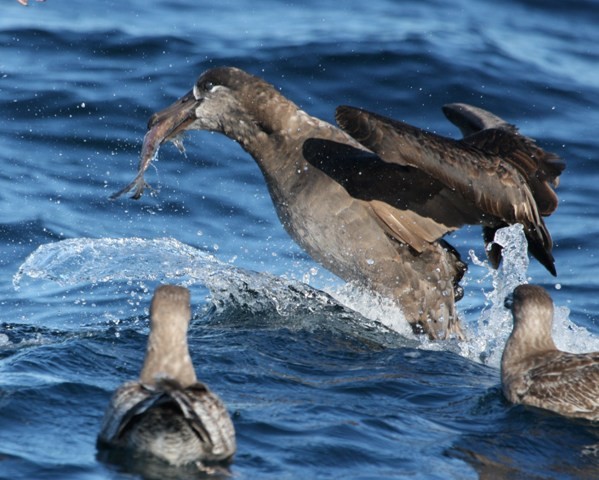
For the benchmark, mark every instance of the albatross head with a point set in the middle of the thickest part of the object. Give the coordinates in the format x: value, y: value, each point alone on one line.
x: 223, y: 99
x: 532, y: 309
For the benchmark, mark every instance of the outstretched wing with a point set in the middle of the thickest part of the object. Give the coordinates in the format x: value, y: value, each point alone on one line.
x: 493, y: 135
x: 497, y: 189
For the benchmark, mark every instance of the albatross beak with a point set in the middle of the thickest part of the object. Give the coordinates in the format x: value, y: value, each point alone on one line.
x: 175, y: 118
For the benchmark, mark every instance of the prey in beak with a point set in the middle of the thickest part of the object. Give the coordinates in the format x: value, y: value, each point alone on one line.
x: 166, y: 125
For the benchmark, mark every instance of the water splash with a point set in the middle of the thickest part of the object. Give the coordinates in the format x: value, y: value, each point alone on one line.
x: 488, y: 334
x: 85, y: 261
x: 80, y: 261
x: 571, y: 337
x: 374, y: 306
x: 293, y: 304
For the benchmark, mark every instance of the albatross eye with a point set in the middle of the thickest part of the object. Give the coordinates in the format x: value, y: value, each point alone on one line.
x: 201, y: 88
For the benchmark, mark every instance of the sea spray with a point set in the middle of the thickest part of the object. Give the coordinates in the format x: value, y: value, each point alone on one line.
x: 487, y: 335
x: 269, y: 301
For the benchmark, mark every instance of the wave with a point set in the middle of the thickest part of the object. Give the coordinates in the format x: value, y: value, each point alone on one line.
x: 280, y: 302
x: 80, y: 261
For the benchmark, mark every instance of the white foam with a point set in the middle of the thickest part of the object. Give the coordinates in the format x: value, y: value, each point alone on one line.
x: 87, y: 261
x: 488, y: 332
x: 373, y: 306
x: 571, y: 337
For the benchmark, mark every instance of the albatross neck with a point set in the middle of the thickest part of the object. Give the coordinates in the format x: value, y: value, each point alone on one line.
x: 167, y: 353
x: 531, y: 334
x: 273, y: 129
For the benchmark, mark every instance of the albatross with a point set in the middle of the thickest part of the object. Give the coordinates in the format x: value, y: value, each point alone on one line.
x: 372, y: 200
x: 534, y: 372
x: 168, y: 413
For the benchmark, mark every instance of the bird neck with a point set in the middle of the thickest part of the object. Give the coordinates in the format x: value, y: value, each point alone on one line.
x: 527, y: 340
x: 167, y: 355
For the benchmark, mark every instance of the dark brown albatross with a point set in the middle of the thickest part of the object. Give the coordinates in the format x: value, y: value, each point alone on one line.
x: 534, y: 372
x: 366, y: 217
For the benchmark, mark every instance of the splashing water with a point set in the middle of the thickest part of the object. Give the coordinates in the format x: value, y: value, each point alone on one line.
x: 85, y: 261
x: 488, y: 335
x: 91, y: 261
x: 374, y: 306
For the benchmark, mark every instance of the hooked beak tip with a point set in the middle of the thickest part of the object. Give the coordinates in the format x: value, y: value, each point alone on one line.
x: 175, y: 118
x: 152, y: 121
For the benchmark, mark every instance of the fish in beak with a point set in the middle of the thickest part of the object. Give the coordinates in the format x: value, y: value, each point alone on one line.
x: 163, y: 126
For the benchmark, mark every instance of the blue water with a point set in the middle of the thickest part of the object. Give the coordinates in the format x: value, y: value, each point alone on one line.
x: 319, y: 385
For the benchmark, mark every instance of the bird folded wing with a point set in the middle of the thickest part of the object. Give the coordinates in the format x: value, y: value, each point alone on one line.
x: 407, y: 226
x: 575, y: 377
x: 131, y: 399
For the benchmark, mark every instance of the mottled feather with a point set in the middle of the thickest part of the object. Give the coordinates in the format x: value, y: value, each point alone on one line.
x: 534, y: 372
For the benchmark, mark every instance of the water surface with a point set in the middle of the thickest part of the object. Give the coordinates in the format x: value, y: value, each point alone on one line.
x: 320, y: 385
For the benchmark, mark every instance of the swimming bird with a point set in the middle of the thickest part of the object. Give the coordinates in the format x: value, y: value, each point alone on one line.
x: 534, y: 372
x: 371, y: 212
x: 168, y: 413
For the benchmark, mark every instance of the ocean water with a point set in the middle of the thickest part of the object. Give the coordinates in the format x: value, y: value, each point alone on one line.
x: 322, y: 380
